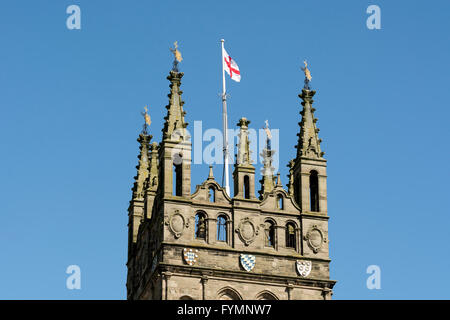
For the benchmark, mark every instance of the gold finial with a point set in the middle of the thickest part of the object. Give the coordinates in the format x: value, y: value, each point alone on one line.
x: 176, y: 52
x: 147, y: 116
x: 306, y: 71
x: 146, y: 119
x: 307, y: 75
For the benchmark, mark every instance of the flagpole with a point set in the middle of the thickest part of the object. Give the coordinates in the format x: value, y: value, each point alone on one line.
x: 225, y: 128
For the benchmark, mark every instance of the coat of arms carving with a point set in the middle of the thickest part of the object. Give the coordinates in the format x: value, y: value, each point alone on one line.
x: 190, y: 256
x: 304, y: 267
x: 248, y: 261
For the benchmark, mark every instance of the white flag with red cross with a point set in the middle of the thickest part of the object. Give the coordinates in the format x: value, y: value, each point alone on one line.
x: 230, y: 66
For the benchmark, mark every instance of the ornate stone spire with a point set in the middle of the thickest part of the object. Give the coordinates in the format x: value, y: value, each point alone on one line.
x: 142, y: 167
x: 290, y: 185
x: 267, y: 171
x: 174, y: 126
x: 308, y: 143
x: 243, y: 157
x: 152, y: 180
x: 174, y: 151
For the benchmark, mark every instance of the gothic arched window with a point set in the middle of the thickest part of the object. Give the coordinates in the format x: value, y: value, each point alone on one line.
x: 270, y: 234
x: 228, y: 294
x: 290, y: 235
x: 246, y: 187
x: 266, y: 295
x: 314, y: 191
x: 200, y: 226
x: 222, y: 228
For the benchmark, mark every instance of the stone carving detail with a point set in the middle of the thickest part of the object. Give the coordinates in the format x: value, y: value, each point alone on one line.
x: 247, y: 231
x: 311, y: 151
x: 177, y: 223
x: 304, y: 267
x: 190, y: 256
x: 248, y: 261
x: 315, y: 238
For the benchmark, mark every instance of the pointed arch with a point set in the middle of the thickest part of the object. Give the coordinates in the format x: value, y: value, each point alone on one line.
x: 228, y: 293
x: 266, y: 295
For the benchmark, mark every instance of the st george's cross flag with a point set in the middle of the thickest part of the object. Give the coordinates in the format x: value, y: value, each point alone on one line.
x: 230, y: 66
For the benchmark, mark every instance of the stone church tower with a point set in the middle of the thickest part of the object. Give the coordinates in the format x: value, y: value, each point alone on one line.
x: 208, y: 245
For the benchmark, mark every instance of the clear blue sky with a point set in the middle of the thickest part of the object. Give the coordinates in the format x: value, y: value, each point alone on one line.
x: 70, y: 103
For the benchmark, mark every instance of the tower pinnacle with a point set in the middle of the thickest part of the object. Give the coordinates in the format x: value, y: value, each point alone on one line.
x: 308, y: 143
x: 152, y: 180
x: 142, y: 167
x: 174, y: 126
x: 243, y: 152
x: 267, y: 180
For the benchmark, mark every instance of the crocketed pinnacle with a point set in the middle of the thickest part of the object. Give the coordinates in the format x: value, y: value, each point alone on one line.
x: 308, y: 143
x: 267, y: 171
x: 142, y: 167
x: 174, y: 126
x: 152, y: 180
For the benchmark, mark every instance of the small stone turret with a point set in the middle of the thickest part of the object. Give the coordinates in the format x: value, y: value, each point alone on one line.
x: 244, y: 171
x: 175, y: 149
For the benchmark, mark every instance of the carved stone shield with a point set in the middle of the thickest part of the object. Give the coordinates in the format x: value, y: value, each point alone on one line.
x: 304, y: 267
x: 190, y: 256
x: 247, y: 261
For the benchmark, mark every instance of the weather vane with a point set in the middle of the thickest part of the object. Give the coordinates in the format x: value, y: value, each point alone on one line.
x: 176, y: 56
x: 307, y: 75
x: 147, y: 120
